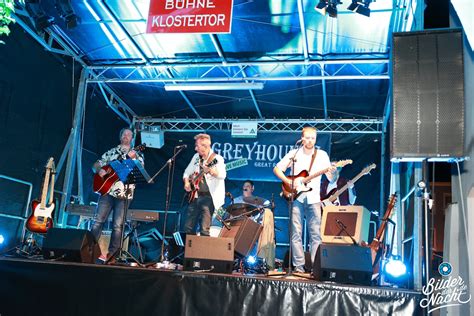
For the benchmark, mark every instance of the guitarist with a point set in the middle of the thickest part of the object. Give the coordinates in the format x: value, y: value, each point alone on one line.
x: 115, y: 199
x: 333, y: 182
x: 204, y: 180
x: 308, y: 203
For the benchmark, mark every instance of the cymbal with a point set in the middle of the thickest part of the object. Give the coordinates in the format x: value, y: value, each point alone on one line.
x: 241, y: 208
x: 255, y: 200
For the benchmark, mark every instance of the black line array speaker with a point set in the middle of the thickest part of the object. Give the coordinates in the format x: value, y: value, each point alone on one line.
x: 343, y: 264
x: 427, y: 95
x: 213, y: 254
x: 68, y: 244
x: 245, y: 233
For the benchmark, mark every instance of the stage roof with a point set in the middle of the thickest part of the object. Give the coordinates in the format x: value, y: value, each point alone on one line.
x: 311, y: 66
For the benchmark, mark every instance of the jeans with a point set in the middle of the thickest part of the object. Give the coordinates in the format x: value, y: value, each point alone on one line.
x: 105, y: 205
x: 201, y: 207
x: 312, y: 212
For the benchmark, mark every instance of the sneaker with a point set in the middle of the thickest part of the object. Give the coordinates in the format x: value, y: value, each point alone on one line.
x: 299, y: 269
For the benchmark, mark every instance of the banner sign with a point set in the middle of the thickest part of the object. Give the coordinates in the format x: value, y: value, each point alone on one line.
x: 190, y: 16
x: 255, y: 158
x: 244, y: 129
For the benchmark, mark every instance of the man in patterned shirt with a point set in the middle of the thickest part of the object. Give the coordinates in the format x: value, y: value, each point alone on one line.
x: 115, y: 198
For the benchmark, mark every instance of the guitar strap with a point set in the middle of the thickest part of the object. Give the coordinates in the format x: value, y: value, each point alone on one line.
x: 312, y: 159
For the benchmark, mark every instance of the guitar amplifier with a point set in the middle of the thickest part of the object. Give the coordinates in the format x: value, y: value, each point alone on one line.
x: 356, y: 220
x: 245, y: 233
x: 208, y: 254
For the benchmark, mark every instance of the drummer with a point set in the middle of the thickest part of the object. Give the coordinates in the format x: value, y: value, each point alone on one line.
x: 266, y: 241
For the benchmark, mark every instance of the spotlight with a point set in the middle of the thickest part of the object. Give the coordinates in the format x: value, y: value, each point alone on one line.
x: 251, y: 260
x: 2, y: 239
x: 66, y: 12
x: 360, y: 6
x: 328, y: 6
x: 395, y: 267
x: 37, y: 15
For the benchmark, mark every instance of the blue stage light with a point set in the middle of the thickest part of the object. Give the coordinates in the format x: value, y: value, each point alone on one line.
x: 2, y: 239
x: 251, y: 260
x: 395, y: 267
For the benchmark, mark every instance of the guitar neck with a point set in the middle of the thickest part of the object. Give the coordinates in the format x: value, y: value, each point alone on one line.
x: 377, y: 239
x: 333, y: 197
x: 315, y: 175
x: 44, y: 192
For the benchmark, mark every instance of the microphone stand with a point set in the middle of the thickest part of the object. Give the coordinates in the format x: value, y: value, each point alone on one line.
x: 168, y: 163
x: 290, y: 210
x: 343, y: 228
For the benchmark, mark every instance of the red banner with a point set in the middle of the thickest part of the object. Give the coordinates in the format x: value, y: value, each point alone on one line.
x: 190, y: 16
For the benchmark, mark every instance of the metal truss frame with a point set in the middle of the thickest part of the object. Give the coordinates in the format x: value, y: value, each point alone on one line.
x: 292, y: 125
x: 289, y: 70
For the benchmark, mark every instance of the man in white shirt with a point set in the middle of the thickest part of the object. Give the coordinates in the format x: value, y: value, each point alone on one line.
x: 307, y: 204
x: 204, y: 180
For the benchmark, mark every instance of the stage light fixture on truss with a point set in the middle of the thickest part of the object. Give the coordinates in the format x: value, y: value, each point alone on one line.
x: 361, y: 7
x: 2, y: 239
x: 37, y: 15
x: 66, y: 12
x: 328, y: 6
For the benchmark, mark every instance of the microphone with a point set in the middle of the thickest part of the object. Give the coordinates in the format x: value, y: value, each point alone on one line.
x: 230, y: 196
x: 181, y: 146
x: 299, y: 141
x: 340, y: 223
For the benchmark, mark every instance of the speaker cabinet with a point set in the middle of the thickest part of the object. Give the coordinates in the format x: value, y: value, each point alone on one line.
x: 245, y: 233
x: 428, y: 95
x: 76, y: 245
x: 212, y: 254
x: 356, y: 220
x: 343, y: 264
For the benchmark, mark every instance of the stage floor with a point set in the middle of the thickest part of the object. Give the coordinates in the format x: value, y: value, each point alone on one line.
x: 39, y: 287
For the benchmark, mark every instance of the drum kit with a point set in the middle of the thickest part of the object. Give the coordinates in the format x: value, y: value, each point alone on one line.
x: 251, y: 207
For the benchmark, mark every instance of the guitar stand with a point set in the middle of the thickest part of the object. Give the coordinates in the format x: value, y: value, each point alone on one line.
x: 28, y: 248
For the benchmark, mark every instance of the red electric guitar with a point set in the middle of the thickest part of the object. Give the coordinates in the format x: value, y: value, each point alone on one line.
x: 103, y: 184
x: 196, y: 178
x: 41, y: 218
x: 303, y: 178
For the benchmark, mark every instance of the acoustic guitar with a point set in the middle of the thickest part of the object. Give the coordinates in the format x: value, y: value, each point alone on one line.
x: 196, y: 178
x: 102, y: 185
x: 41, y: 218
x: 377, y: 243
x: 303, y: 178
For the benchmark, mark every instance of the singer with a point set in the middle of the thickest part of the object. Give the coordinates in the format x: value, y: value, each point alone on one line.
x: 308, y: 204
x: 204, y: 179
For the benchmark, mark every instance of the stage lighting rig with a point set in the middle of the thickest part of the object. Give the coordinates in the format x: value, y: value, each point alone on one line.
x: 361, y: 7
x: 328, y: 6
x: 66, y: 12
x: 37, y: 15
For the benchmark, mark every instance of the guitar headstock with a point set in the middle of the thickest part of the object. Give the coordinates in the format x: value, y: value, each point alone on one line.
x: 391, y: 201
x: 50, y: 164
x: 369, y: 168
x: 342, y: 163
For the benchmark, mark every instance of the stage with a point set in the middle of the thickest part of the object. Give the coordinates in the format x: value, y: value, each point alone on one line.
x: 39, y: 287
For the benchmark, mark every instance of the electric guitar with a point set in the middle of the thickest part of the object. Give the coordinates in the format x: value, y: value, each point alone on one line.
x: 102, y: 185
x: 334, y: 193
x: 377, y: 243
x: 196, y: 178
x: 303, y: 178
x: 41, y: 218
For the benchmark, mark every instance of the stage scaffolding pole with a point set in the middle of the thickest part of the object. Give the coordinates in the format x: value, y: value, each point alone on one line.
x: 74, y: 149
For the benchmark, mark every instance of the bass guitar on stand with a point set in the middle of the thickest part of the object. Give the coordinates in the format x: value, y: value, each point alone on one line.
x: 41, y: 218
